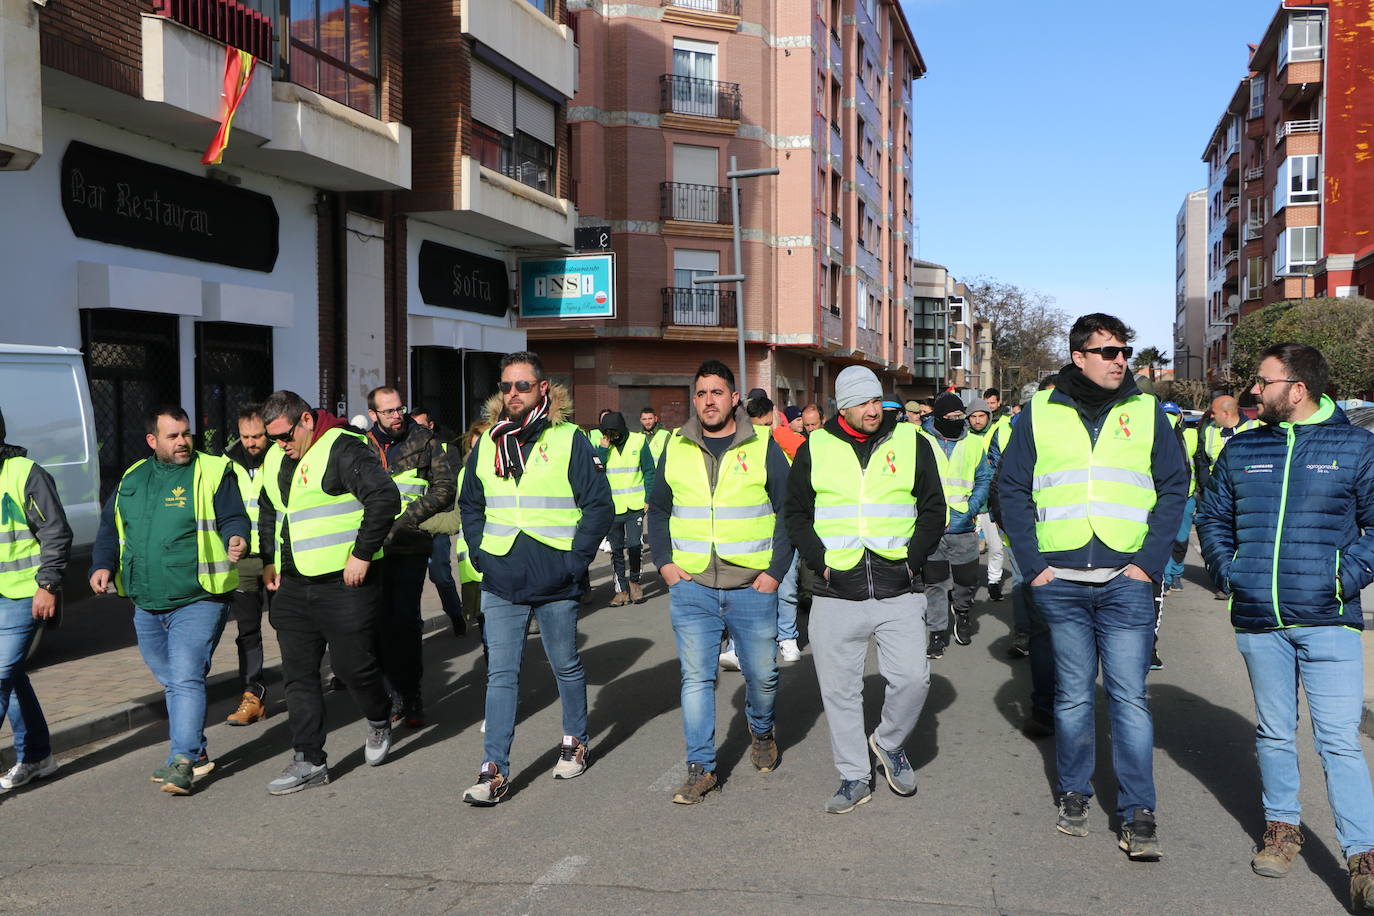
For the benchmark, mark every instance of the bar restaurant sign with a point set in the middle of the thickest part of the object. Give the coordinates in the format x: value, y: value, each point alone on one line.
x: 457, y: 279
x: 110, y: 197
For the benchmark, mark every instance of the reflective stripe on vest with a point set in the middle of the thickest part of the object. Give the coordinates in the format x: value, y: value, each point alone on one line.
x: 322, y: 528
x: 541, y: 505
x: 466, y: 571
x: 411, y: 486
x: 734, y: 519
x: 250, y: 485
x: 625, y: 475
x: 214, y: 572
x: 1215, y: 442
x: 958, y: 469
x: 658, y: 442
x: 20, y: 552
x: 1081, y: 489
x: 870, y: 507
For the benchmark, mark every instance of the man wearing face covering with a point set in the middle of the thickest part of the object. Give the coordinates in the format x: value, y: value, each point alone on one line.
x: 630, y: 468
x: 952, y: 569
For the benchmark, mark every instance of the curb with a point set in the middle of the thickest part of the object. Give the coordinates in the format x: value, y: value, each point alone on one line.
x: 119, y: 718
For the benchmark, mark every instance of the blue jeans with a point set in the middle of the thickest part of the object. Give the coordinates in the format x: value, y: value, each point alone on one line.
x: 1112, y: 623
x: 17, y: 699
x: 176, y: 646
x: 504, y: 631
x: 787, y: 601
x: 1174, y: 570
x: 1329, y: 663
x: 441, y: 574
x: 700, y: 616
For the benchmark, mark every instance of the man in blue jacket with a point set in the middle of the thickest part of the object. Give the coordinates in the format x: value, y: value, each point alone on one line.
x: 1287, y: 527
x: 1092, y: 490
x: 534, y: 508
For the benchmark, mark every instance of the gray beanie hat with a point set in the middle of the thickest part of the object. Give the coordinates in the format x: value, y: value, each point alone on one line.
x: 978, y: 405
x: 856, y: 385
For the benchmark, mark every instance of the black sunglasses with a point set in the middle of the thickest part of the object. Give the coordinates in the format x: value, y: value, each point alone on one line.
x: 282, y: 437
x: 1110, y: 353
x: 523, y: 386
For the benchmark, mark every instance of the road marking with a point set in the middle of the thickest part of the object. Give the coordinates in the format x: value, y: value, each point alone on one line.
x: 669, y: 779
x: 562, y: 872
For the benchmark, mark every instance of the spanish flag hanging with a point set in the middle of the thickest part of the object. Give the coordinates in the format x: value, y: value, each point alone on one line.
x: 238, y: 73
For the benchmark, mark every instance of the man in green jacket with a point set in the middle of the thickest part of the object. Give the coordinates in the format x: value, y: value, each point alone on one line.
x: 169, y: 539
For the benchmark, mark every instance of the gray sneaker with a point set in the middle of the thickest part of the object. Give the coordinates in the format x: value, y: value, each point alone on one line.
x: 24, y: 771
x: 851, y: 794
x: 895, y: 767
x: 299, y: 774
x: 378, y: 743
x: 1073, y: 814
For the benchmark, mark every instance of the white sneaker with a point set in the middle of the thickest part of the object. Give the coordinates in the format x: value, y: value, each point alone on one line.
x: 729, y: 661
x: 23, y: 772
x: 572, y: 759
x: 484, y: 726
x: 787, y: 648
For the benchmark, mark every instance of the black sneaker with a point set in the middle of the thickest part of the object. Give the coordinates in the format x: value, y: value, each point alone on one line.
x: 995, y: 591
x: 936, y: 647
x: 1138, y: 837
x: 1073, y: 814
x: 1155, y: 661
x: 963, y: 628
x: 1020, y: 645
x: 1037, y: 726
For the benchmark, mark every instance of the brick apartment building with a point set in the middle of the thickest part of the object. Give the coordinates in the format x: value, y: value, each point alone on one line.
x: 386, y: 168
x: 1288, y: 171
x: 668, y: 94
x: 1190, y: 285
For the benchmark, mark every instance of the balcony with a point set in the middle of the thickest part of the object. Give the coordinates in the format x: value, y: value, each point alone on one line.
x: 699, y: 210
x: 1287, y: 128
x: 21, y: 91
x: 1254, y: 229
x: 226, y: 21
x: 521, y: 33
x: 699, y: 313
x: 836, y: 55
x: 709, y: 14
x: 696, y: 104
x: 1255, y: 173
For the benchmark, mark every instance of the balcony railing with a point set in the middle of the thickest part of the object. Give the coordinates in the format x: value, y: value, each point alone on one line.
x: 695, y: 307
x: 1255, y: 173
x: 1231, y: 258
x: 1232, y: 204
x: 696, y: 203
x: 1254, y: 229
x: 227, y: 21
x: 728, y: 7
x: 687, y: 95
x: 1295, y: 127
x: 528, y: 162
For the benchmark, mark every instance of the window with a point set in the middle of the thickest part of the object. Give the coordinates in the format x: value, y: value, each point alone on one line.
x: 1302, y: 40
x: 1254, y: 278
x: 1256, y: 210
x: 694, y: 304
x: 334, y: 50
x: 1299, y: 248
x: 956, y: 356
x: 1232, y: 135
x: 694, y: 75
x: 1257, y: 96
x: 835, y: 288
x: 515, y: 134
x: 956, y: 309
x: 862, y: 223
x: 861, y: 299
x: 836, y: 199
x: 1297, y: 182
x: 695, y: 194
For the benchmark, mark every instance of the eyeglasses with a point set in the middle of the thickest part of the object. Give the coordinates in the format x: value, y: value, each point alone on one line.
x: 390, y: 411
x: 1110, y: 353
x: 1260, y: 381
x: 283, y: 437
x: 524, y: 386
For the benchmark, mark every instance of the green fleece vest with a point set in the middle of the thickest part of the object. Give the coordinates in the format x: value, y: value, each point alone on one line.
x: 158, y: 564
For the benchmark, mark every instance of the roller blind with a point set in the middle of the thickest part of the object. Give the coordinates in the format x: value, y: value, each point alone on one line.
x: 491, y: 98
x: 534, y: 116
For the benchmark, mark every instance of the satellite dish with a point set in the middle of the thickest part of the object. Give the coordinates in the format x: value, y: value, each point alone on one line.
x: 1232, y: 301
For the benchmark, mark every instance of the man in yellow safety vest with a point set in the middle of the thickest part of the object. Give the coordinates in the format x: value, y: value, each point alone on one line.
x: 1092, y: 488
x: 630, y: 468
x: 251, y: 599
x: 325, y: 509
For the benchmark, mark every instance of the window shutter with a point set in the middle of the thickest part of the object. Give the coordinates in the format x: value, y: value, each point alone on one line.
x: 491, y: 98
x: 535, y: 116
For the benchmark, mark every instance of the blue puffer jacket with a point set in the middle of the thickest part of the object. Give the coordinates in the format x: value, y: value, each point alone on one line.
x: 1280, y: 522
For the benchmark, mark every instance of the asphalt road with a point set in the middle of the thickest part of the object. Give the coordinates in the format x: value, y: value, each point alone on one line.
x: 978, y: 837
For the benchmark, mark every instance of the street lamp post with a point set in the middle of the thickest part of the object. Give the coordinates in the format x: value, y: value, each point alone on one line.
x: 738, y: 277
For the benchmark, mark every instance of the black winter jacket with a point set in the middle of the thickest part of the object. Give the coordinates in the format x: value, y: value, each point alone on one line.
x: 420, y: 449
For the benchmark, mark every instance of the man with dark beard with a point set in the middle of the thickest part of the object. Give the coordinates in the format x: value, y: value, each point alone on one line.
x: 534, y: 509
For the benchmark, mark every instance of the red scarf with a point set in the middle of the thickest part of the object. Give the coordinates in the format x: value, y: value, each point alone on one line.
x: 852, y: 432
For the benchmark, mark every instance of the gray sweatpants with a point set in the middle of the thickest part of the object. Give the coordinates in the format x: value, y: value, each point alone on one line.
x: 839, y: 632
x: 953, y: 567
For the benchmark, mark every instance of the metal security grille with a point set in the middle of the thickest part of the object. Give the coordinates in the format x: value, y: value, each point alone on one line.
x: 132, y: 366
x: 233, y: 368
x: 437, y: 385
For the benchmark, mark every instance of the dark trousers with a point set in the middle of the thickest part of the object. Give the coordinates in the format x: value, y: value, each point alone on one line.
x: 249, y: 603
x: 308, y: 616
x: 1041, y: 658
x: 625, y: 536
x: 399, y: 627
x: 441, y: 574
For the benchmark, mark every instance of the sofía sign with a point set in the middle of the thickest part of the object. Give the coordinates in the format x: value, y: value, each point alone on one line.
x: 459, y: 279
x: 110, y: 197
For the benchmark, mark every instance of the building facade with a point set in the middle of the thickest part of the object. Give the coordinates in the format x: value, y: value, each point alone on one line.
x: 1190, y: 286
x: 669, y: 95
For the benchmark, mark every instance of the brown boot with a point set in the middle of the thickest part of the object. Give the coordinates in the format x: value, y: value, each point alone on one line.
x: 250, y: 710
x: 698, y: 783
x: 1281, y: 844
x: 620, y: 600
x: 1362, y: 882
x: 763, y: 752
x: 636, y: 592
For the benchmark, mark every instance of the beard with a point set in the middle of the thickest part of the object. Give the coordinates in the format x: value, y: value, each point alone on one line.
x: 717, y: 427
x: 1280, y: 413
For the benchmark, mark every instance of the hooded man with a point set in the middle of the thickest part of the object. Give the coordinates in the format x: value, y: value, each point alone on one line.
x: 984, y: 428
x: 630, y: 467
x: 952, y: 569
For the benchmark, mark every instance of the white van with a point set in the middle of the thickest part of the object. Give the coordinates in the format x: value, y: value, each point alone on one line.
x: 47, y: 408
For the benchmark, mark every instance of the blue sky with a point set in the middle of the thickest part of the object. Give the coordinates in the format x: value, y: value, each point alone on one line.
x: 1055, y: 141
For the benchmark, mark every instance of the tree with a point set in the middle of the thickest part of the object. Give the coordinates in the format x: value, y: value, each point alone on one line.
x: 1149, y: 357
x: 1029, y: 335
x: 1342, y: 328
